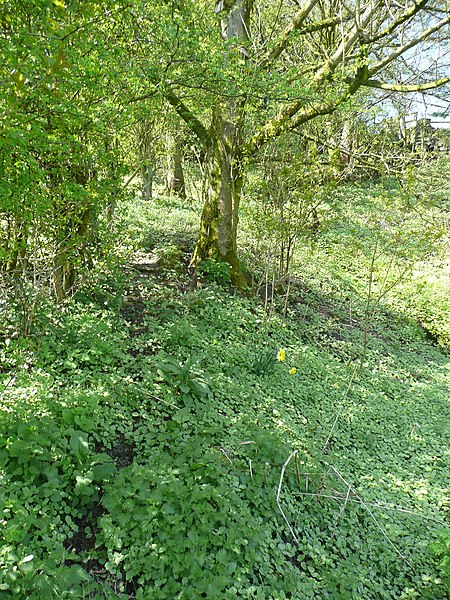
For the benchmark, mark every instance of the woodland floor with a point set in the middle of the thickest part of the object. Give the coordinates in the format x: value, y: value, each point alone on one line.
x: 154, y: 447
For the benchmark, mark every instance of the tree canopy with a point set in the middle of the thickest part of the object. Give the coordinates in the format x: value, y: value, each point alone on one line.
x: 247, y: 72
x: 238, y: 73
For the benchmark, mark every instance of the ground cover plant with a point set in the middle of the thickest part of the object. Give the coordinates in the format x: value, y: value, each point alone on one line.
x: 160, y: 440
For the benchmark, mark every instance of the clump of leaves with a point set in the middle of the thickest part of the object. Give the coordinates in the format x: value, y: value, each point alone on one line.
x: 216, y: 271
x: 441, y: 551
x: 264, y: 363
x: 170, y: 256
x: 190, y: 529
x: 187, y: 378
x: 92, y: 468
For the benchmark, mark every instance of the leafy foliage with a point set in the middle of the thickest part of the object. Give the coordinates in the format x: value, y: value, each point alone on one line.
x: 187, y: 378
x: 58, y: 164
x: 215, y: 271
x: 129, y: 467
x: 441, y: 551
x: 264, y: 362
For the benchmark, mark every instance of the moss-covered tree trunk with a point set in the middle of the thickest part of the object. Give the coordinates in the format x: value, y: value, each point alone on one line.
x: 217, y: 237
x: 224, y: 166
x: 147, y: 174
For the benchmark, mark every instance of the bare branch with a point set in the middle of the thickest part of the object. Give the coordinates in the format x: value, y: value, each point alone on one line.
x: 397, y: 22
x: 296, y: 23
x: 405, y: 88
x: 277, y: 499
x: 346, y: 45
x: 405, y: 47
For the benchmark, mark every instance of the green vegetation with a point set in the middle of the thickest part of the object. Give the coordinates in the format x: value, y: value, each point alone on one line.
x: 159, y: 441
x: 224, y: 307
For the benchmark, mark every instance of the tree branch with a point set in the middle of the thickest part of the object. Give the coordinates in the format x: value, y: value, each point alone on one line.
x: 188, y: 117
x: 295, y: 113
x: 406, y: 88
x: 289, y: 117
x: 143, y: 97
x: 417, y: 40
x: 346, y: 45
x: 181, y: 109
x: 296, y: 23
x: 397, y: 22
x: 106, y: 13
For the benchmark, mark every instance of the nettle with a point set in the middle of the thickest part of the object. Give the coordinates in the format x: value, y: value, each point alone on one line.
x: 190, y: 529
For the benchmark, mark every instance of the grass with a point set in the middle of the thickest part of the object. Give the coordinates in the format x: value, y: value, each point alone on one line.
x: 143, y: 455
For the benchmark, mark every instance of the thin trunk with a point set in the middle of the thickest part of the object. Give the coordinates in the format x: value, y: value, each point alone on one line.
x: 218, y: 227
x: 18, y: 246
x: 147, y: 173
x: 346, y: 145
x: 63, y: 278
x: 73, y: 249
x: 175, y: 183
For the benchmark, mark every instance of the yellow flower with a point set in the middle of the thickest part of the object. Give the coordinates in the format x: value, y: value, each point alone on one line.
x: 293, y: 371
x: 281, y: 354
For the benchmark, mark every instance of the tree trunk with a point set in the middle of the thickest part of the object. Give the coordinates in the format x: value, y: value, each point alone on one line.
x: 147, y: 173
x: 222, y: 193
x: 175, y: 183
x: 224, y: 165
x: 73, y: 239
x: 63, y: 278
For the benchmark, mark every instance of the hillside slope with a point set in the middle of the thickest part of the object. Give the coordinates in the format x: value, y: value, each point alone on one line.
x: 165, y: 442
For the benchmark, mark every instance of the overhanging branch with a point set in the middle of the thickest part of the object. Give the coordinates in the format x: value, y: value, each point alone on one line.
x: 411, y: 44
x: 291, y: 116
x: 296, y: 23
x: 406, y: 88
x: 188, y: 117
x: 397, y: 22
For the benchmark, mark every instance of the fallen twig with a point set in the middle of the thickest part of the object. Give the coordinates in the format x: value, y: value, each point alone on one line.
x: 391, y: 543
x: 283, y: 469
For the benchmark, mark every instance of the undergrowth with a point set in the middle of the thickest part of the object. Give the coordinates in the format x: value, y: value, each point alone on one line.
x: 163, y: 442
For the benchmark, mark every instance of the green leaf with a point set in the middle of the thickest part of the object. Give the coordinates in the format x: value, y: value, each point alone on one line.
x: 74, y: 575
x: 182, y: 415
x: 83, y: 482
x: 102, y: 472
x: 201, y: 387
x: 85, y: 422
x: 79, y: 445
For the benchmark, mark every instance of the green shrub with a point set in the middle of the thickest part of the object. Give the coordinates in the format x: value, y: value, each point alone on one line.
x: 215, y: 271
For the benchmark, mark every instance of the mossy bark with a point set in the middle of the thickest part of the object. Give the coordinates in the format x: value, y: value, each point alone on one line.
x: 217, y: 237
x: 224, y: 165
